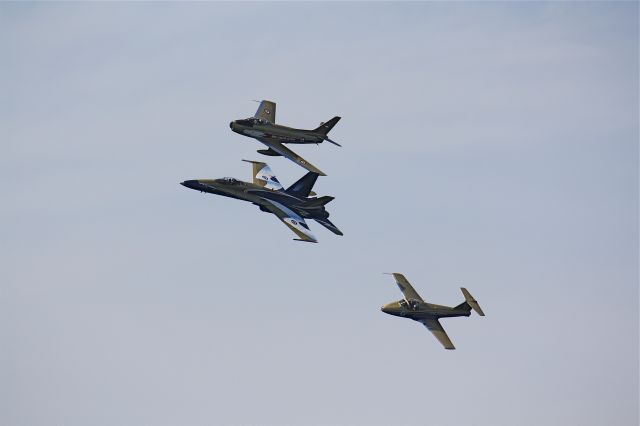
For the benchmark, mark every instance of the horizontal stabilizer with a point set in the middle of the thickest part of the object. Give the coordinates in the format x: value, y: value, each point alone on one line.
x: 317, y: 202
x: 330, y: 226
x: 329, y: 140
x: 472, y: 302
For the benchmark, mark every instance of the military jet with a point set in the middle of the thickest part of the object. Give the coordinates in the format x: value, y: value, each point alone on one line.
x: 262, y: 126
x: 413, y: 307
x: 292, y: 205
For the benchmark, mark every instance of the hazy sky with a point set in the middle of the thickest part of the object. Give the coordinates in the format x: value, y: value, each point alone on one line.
x: 492, y: 145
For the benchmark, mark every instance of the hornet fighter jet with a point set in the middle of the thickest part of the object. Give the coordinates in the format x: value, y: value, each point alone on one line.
x: 292, y: 205
x: 262, y: 126
x: 413, y: 307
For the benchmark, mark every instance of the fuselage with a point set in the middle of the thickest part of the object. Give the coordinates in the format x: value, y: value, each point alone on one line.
x: 260, y: 129
x: 246, y: 191
x: 418, y: 310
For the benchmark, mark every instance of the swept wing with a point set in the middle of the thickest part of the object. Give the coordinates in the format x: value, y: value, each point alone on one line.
x: 287, y: 153
x: 291, y: 219
x: 266, y: 111
x: 434, y: 326
x: 406, y: 288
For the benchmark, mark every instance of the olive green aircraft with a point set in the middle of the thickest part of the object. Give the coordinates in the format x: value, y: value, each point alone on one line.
x: 415, y: 308
x: 262, y: 126
x: 292, y: 205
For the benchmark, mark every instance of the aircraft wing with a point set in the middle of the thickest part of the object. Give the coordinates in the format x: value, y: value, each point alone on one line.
x: 287, y: 153
x: 406, y: 288
x: 291, y: 219
x: 434, y: 326
x: 266, y: 111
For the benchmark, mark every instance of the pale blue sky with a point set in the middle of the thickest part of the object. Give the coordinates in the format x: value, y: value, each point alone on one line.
x: 489, y: 145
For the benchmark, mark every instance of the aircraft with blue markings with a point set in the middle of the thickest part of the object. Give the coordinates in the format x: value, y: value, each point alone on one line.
x: 292, y: 205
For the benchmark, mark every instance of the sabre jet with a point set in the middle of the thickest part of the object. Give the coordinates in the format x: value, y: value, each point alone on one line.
x: 262, y: 126
x: 415, y: 308
x: 292, y: 205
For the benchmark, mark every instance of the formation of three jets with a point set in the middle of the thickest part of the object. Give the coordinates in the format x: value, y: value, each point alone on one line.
x: 298, y: 202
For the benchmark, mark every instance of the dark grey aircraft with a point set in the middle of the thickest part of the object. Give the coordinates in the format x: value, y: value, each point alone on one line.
x: 262, y: 126
x: 413, y: 307
x: 292, y: 205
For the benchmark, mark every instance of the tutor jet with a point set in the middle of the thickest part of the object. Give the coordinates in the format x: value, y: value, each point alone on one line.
x: 292, y: 205
x: 262, y: 126
x: 413, y: 307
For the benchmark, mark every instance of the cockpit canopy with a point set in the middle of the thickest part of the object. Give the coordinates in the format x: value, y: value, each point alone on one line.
x: 229, y: 180
x: 251, y: 121
x: 410, y: 304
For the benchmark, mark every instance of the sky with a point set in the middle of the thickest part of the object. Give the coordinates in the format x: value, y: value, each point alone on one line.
x: 487, y: 145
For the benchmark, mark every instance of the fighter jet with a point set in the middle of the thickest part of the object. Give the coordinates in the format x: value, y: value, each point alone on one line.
x: 292, y: 205
x: 413, y: 307
x: 262, y: 126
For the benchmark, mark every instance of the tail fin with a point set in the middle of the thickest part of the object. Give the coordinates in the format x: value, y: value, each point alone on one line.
x: 303, y: 186
x: 471, y: 301
x: 263, y: 176
x: 324, y: 128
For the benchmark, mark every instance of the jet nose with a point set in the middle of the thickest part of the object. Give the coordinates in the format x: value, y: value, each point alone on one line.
x: 231, y: 125
x: 383, y: 309
x: 189, y: 183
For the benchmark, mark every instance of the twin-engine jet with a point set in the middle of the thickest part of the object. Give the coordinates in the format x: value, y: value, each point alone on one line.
x: 262, y: 126
x: 292, y: 205
x: 413, y: 307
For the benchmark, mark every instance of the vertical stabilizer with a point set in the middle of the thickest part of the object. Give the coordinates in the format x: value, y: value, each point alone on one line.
x: 302, y: 187
x: 324, y: 128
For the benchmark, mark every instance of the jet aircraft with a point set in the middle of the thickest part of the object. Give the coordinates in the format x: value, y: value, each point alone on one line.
x: 262, y: 126
x: 292, y: 205
x: 415, y: 308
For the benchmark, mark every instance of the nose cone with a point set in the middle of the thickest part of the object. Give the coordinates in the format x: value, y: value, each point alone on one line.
x: 193, y: 184
x: 387, y: 309
x: 231, y: 125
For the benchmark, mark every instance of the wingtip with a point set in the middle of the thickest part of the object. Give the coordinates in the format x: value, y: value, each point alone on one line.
x: 306, y: 241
